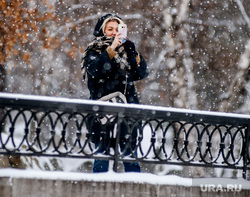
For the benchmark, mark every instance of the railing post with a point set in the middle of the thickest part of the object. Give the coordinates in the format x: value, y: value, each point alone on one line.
x: 245, y: 152
x: 117, y: 138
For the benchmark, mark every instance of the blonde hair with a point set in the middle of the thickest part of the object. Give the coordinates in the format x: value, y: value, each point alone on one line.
x: 112, y: 18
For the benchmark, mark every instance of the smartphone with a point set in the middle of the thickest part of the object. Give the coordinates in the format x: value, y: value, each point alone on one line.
x: 122, y: 28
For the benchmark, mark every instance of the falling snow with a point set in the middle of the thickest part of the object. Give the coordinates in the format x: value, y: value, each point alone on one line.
x: 198, y: 52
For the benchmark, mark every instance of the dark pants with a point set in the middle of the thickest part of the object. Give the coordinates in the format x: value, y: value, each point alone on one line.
x: 102, y: 135
x: 103, y: 165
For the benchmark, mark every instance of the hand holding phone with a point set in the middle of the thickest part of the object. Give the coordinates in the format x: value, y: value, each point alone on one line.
x: 122, y: 28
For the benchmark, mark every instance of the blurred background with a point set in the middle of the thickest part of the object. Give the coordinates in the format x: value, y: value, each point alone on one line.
x: 198, y: 52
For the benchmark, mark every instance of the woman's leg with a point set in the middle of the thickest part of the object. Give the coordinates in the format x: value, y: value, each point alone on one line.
x: 100, y: 165
x: 103, y: 145
x: 131, y: 167
x: 129, y: 143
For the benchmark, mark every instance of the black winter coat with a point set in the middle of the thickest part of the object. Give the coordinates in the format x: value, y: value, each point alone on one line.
x: 105, y: 76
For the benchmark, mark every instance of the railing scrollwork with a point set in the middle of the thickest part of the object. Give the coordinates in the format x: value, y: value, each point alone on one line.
x: 47, y: 126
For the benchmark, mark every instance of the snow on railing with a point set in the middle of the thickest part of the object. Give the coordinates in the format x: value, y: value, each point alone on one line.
x: 62, y: 127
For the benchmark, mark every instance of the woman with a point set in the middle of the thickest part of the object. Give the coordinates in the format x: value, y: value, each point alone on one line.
x: 112, y: 66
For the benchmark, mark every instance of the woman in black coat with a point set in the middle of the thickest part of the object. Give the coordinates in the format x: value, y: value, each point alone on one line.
x: 112, y: 66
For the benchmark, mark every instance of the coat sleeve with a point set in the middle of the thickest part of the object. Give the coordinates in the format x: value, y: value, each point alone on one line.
x: 140, y: 71
x: 99, y: 65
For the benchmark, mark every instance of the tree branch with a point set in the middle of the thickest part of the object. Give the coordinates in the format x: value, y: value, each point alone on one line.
x: 243, y: 12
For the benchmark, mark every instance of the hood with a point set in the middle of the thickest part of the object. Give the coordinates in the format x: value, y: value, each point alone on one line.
x: 98, y: 28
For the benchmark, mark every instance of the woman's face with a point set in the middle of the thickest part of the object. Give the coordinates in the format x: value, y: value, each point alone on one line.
x: 111, y: 28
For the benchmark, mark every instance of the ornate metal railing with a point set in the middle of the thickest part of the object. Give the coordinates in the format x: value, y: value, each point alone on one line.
x: 47, y: 126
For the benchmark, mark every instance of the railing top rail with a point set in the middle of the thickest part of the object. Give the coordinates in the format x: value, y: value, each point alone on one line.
x: 88, y: 106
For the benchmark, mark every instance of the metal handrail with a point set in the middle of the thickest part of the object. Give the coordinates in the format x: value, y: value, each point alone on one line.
x: 61, y: 127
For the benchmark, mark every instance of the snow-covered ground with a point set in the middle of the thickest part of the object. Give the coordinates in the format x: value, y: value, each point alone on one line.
x: 122, y: 177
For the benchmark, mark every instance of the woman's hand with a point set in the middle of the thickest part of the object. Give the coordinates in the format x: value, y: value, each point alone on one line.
x: 117, y: 41
x: 130, y: 49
